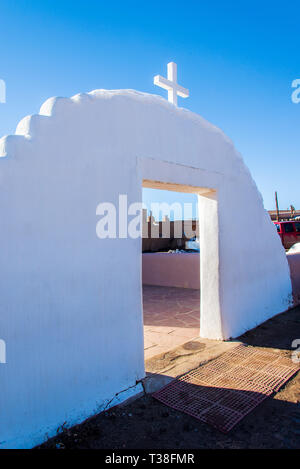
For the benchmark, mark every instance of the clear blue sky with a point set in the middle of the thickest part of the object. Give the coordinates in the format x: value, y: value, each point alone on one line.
x: 237, y: 58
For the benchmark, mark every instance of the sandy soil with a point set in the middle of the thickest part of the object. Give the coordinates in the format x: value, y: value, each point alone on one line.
x: 147, y: 424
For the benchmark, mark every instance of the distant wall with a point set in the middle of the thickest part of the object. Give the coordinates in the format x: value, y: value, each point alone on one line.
x: 294, y: 263
x: 166, y: 234
x: 172, y: 270
x: 284, y: 214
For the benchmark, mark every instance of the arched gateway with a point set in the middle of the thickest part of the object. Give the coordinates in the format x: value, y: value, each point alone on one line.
x: 71, y: 314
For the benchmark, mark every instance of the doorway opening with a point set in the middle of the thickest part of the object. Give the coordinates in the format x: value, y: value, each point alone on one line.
x: 170, y: 267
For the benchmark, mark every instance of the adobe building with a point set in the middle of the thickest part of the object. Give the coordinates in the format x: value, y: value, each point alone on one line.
x: 71, y: 303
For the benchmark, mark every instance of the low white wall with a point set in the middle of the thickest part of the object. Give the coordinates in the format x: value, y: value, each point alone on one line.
x: 182, y: 270
x: 172, y: 270
x: 294, y: 263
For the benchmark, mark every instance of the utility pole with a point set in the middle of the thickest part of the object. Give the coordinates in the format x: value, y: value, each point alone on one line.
x: 277, y: 209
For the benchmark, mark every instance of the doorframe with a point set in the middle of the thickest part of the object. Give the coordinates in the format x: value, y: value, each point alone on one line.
x: 165, y: 175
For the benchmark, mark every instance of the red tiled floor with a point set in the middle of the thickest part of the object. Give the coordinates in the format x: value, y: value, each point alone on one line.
x: 171, y: 317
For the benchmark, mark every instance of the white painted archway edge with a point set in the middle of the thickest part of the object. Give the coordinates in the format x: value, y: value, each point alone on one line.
x: 71, y: 303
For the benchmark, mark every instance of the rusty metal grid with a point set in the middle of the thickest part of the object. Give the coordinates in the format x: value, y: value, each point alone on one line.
x: 222, y: 392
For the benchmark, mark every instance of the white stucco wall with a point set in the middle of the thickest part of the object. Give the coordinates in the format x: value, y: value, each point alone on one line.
x: 70, y: 309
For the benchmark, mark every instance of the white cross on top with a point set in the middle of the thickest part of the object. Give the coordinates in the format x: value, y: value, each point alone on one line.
x: 171, y: 85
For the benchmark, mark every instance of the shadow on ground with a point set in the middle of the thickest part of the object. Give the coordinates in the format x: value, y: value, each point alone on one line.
x: 278, y: 332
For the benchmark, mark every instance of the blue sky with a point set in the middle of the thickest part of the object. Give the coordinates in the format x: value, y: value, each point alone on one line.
x: 237, y: 58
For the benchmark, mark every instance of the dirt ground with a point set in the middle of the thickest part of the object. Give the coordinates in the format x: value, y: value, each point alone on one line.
x: 148, y: 424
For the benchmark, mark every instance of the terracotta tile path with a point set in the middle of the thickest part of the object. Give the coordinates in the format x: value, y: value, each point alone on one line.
x: 171, y: 318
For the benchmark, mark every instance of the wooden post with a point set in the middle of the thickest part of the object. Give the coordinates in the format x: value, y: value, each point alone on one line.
x: 277, y: 209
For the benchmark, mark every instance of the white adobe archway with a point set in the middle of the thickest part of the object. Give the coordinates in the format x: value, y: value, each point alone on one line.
x: 71, y: 314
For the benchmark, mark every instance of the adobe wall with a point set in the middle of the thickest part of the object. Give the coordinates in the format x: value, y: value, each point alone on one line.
x: 71, y: 302
x: 294, y: 263
x: 172, y: 269
x: 182, y: 270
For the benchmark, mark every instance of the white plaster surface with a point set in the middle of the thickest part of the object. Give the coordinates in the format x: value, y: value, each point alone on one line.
x: 70, y: 310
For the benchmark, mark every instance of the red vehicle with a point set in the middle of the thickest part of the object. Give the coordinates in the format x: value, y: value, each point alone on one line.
x: 289, y: 232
